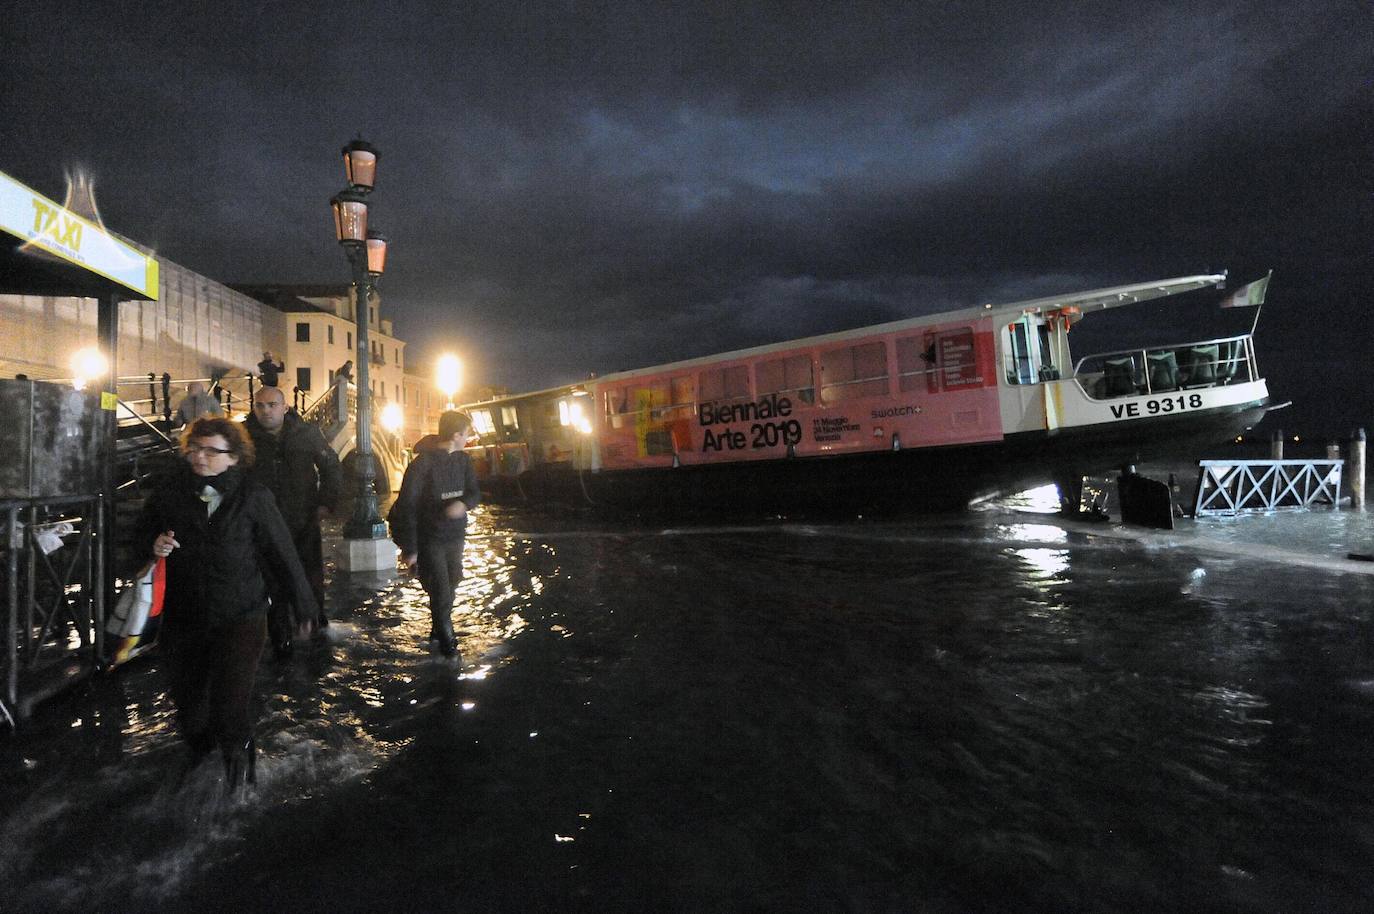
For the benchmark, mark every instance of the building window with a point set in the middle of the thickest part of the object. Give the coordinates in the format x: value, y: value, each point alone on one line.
x: 398, y: 355
x: 329, y: 331
x: 303, y: 374
x: 396, y: 389
x: 349, y: 335
x: 302, y: 332
x: 372, y: 317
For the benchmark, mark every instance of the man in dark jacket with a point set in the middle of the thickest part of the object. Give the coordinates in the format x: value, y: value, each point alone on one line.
x: 302, y: 471
x: 430, y: 520
x: 269, y: 368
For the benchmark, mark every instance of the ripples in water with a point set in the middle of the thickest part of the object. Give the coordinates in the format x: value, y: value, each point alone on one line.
x: 981, y: 712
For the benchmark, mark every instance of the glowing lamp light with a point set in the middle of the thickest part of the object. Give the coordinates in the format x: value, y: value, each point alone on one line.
x: 350, y: 217
x: 360, y: 163
x: 393, y: 417
x: 376, y: 253
x: 448, y: 376
x: 572, y: 413
x: 87, y: 365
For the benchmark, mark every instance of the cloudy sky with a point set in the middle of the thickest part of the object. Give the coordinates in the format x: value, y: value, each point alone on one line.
x: 573, y: 187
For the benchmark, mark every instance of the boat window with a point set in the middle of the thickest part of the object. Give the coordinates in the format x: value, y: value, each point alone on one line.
x: 681, y: 399
x: 717, y: 384
x: 509, y: 418
x: 915, y: 362
x: 1018, y: 353
x: 1047, y: 370
x: 571, y: 412
x: 791, y: 375
x: 481, y: 422
x: 617, y: 401
x: 854, y: 372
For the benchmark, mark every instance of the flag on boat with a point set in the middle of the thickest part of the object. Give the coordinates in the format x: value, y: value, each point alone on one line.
x: 1248, y: 294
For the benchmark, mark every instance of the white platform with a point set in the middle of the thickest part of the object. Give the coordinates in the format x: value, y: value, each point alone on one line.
x: 371, y: 556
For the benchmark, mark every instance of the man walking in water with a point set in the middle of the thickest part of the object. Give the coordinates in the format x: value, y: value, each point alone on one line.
x: 302, y: 471
x: 430, y: 520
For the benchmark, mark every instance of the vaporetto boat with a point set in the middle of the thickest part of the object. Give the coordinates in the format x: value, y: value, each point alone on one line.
x: 919, y: 414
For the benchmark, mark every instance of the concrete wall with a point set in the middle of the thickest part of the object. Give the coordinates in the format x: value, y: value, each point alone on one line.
x: 197, y: 326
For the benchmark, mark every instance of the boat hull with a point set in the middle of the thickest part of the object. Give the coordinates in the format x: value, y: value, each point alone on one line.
x: 880, y: 482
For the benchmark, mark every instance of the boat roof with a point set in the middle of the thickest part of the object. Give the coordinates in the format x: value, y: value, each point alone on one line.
x: 1084, y: 302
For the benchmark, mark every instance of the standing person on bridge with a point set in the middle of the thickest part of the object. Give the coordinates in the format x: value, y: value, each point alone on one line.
x: 195, y: 404
x: 223, y: 539
x: 269, y: 369
x: 430, y: 520
x: 300, y: 468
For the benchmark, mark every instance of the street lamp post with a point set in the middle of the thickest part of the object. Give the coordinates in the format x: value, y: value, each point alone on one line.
x: 366, y: 252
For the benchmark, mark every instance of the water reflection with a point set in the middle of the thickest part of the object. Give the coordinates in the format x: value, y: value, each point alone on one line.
x: 971, y: 713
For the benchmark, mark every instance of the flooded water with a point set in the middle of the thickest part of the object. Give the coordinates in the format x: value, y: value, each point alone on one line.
x: 986, y: 712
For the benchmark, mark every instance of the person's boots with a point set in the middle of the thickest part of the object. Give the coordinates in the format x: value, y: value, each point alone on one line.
x: 198, y: 748
x: 240, y: 766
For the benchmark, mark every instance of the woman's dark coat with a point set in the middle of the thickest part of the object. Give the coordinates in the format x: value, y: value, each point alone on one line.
x: 220, y: 572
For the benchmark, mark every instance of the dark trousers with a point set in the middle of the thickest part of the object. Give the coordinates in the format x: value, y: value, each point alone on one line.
x: 309, y: 544
x: 211, y: 673
x: 441, y: 568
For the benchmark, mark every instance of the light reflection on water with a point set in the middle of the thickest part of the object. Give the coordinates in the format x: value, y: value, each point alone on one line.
x: 964, y: 713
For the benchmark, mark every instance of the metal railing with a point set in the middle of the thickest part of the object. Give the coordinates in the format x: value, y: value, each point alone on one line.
x: 55, y: 600
x: 234, y: 393
x: 1230, y: 487
x: 1183, y: 366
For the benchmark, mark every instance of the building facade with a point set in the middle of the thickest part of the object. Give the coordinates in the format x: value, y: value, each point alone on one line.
x: 197, y: 328
x: 319, y: 324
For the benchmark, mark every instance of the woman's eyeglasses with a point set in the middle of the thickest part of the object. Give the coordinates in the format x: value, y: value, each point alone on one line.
x: 205, y: 450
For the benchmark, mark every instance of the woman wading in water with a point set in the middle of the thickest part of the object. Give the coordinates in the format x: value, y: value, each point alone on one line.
x: 222, y: 537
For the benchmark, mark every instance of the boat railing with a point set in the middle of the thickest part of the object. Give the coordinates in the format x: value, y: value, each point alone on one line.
x: 1133, y: 372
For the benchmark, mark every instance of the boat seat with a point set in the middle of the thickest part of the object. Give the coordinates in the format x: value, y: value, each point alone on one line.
x: 1163, y: 370
x: 1119, y: 375
x: 1202, y: 371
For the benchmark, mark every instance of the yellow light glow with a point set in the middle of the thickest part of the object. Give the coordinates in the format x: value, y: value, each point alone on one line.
x: 87, y: 365
x: 393, y: 417
x: 448, y: 375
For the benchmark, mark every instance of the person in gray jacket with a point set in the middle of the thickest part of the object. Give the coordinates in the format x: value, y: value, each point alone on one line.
x: 195, y: 404
x: 430, y: 518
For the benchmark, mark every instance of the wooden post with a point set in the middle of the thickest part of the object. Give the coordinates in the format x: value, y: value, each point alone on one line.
x: 1355, y: 479
x: 1276, y: 445
x: 1333, y: 451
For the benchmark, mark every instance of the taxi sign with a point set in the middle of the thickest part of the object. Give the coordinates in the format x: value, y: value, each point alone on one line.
x: 29, y: 215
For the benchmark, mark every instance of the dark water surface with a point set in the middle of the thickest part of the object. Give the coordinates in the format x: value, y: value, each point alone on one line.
x: 980, y: 713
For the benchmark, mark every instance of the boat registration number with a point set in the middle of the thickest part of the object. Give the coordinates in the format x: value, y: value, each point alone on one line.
x: 1176, y: 403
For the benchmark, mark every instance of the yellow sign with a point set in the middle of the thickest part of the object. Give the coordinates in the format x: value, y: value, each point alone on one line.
x: 108, y: 400
x: 29, y: 215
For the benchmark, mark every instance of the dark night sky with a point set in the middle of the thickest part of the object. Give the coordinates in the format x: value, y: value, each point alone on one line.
x: 573, y: 187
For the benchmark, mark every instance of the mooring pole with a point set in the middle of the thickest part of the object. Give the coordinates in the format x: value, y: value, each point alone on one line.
x: 1356, y: 480
x: 1276, y: 445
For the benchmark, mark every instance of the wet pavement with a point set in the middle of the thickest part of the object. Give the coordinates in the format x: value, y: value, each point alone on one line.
x: 990, y: 711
